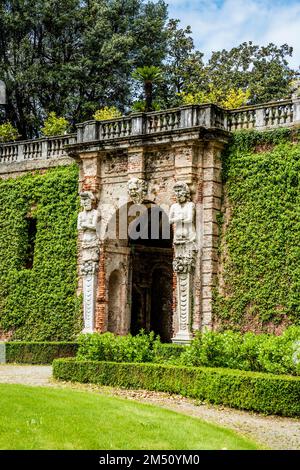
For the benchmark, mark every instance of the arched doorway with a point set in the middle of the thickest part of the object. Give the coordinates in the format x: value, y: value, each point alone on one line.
x: 150, y: 243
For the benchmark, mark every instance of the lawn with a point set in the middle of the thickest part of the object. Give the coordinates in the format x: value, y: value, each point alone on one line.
x: 48, y: 418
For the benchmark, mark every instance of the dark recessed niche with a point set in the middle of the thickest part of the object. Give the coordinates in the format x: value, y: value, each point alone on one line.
x: 31, y: 236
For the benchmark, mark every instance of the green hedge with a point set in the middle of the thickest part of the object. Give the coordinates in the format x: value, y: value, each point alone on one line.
x: 166, y: 351
x: 255, y: 391
x: 38, y: 353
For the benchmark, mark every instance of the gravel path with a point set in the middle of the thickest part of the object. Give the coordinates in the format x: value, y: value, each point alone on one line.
x: 272, y: 432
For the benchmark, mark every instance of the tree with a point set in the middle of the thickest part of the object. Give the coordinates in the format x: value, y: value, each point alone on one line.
x: 73, y: 57
x: 182, y: 64
x: 148, y: 76
x: 262, y: 71
x: 230, y: 99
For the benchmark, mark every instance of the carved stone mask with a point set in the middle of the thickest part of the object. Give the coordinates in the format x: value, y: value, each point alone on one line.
x: 137, y: 190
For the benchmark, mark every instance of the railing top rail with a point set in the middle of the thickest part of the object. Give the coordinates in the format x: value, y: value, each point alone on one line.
x: 105, y: 121
x: 206, y: 115
x: 38, y: 139
x: 259, y: 106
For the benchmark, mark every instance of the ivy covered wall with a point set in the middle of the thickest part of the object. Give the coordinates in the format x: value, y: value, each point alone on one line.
x: 39, y: 302
x: 259, y: 275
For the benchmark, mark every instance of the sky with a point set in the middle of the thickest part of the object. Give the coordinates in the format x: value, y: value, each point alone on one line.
x: 223, y: 24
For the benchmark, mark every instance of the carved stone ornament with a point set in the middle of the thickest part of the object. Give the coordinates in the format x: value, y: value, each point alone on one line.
x: 137, y: 190
x: 183, y: 264
x: 89, y: 268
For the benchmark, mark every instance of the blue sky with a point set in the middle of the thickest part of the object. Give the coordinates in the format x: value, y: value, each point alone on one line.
x: 222, y: 24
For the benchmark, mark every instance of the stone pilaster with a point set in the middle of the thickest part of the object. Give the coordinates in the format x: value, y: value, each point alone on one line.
x: 136, y: 163
x: 89, y: 174
x: 212, y: 192
x: 89, y: 274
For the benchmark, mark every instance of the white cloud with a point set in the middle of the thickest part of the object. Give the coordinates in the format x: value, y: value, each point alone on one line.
x: 224, y: 24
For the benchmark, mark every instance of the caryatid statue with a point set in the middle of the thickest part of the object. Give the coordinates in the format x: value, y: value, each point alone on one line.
x: 182, y: 216
x: 88, y: 220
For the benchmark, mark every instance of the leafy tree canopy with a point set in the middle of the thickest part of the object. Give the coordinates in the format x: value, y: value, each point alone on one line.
x: 73, y: 57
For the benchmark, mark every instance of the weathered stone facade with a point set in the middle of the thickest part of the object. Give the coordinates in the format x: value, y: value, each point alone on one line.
x: 131, y: 276
x: 144, y: 283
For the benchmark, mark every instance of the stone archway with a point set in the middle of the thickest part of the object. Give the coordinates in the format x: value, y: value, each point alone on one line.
x: 151, y: 273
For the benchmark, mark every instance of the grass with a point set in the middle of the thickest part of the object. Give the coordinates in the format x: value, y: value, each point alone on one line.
x: 46, y: 418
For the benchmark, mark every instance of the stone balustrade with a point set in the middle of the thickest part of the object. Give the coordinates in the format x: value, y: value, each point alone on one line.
x: 265, y: 116
x: 37, y: 149
x: 270, y: 115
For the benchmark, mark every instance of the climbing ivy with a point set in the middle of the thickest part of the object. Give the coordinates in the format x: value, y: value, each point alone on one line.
x: 39, y: 303
x: 260, y: 250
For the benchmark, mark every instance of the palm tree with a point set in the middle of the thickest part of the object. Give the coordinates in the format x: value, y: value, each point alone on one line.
x: 148, y: 75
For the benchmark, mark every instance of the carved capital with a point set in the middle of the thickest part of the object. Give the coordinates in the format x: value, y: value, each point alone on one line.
x: 184, y: 264
x: 89, y: 268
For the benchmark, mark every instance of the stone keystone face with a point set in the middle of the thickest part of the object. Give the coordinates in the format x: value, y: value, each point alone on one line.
x: 137, y: 190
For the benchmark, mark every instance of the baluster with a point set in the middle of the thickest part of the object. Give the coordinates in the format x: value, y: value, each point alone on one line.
x: 122, y: 130
x: 164, y: 122
x: 273, y: 115
x: 119, y: 127
x: 233, y: 122
x: 158, y: 123
x: 267, y: 117
x: 112, y: 130
x: 277, y: 115
x: 284, y: 114
x: 103, y: 127
x: 290, y: 113
x: 149, y: 125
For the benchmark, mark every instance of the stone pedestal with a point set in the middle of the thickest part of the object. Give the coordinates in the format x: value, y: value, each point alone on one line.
x: 184, y: 282
x: 89, y: 276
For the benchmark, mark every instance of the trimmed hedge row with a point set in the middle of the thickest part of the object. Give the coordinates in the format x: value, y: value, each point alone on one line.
x: 38, y: 352
x: 167, y: 351
x: 266, y: 393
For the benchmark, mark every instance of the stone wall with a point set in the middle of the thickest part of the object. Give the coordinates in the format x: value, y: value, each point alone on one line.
x: 137, y: 160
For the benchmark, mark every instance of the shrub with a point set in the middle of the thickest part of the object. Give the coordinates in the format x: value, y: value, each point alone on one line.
x: 8, y: 132
x: 38, y: 352
x: 139, y: 106
x: 165, y: 352
x: 233, y: 98
x: 269, y: 353
x: 54, y: 125
x: 108, y: 347
x: 255, y: 391
x: 277, y: 353
x: 107, y: 113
